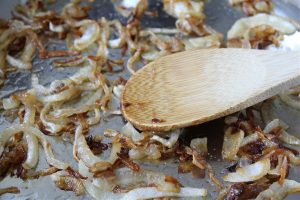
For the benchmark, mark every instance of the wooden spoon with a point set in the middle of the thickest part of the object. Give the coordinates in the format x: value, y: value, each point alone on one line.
x: 193, y: 87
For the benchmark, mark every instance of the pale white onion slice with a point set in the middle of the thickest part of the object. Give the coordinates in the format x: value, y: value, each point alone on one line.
x: 85, y: 104
x: 153, y: 54
x: 115, y: 43
x: 168, y: 142
x: 241, y: 27
x: 249, y: 173
x: 202, y: 42
x: 152, y: 192
x: 232, y: 142
x: 29, y: 116
x: 129, y: 131
x: 152, y: 152
x: 289, y: 139
x: 64, y: 95
x: 56, y: 28
x: 84, y: 170
x: 29, y: 50
x: 118, y: 42
x: 94, y: 119
x: 91, y: 32
x: 117, y: 90
x: 250, y: 138
x: 126, y: 178
x: 295, y: 160
x: 136, y: 154
x: 52, y: 127
x: 275, y: 124
x: 141, y: 193
x: 279, y: 192
x: 289, y: 100
x: 91, y: 85
x: 47, y: 148
x: 18, y: 63
x: 167, y: 31
x: 244, y: 161
x: 104, y: 37
x: 132, y: 60
x: 81, y: 151
x: 38, y: 87
x: 182, y: 8
x: 85, y: 73
x: 130, y: 3
x: 99, y: 194
x: 10, y: 102
x: 32, y: 151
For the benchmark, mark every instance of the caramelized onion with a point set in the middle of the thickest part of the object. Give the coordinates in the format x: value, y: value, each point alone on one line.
x: 168, y: 142
x: 13, y: 190
x: 249, y: 173
x: 279, y: 192
x: 68, y: 183
x: 81, y: 151
x: 91, y: 32
x: 231, y: 144
x: 242, y: 26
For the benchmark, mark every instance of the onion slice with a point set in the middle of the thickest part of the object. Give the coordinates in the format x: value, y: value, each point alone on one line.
x: 141, y: 193
x: 129, y: 131
x: 242, y: 26
x: 279, y: 192
x: 231, y: 144
x: 249, y: 173
x: 289, y: 139
x: 66, y: 182
x: 275, y: 124
x: 9, y: 132
x: 289, y: 100
x: 168, y: 142
x: 91, y: 32
x: 20, y: 64
x: 10, y: 102
x: 81, y: 151
x: 152, y: 192
x: 32, y: 152
x: 13, y: 190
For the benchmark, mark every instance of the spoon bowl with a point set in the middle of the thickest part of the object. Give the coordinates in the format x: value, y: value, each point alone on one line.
x: 194, y: 87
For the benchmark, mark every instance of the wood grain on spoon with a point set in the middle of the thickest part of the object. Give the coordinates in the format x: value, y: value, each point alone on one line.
x: 193, y: 87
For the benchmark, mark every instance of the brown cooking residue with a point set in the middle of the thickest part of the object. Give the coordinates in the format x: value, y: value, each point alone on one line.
x: 125, y: 105
x: 157, y: 121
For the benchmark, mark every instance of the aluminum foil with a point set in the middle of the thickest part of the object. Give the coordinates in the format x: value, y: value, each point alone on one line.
x: 221, y: 17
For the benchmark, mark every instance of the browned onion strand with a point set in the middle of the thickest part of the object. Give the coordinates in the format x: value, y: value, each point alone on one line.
x: 267, y: 157
x: 253, y: 7
x: 260, y: 154
x: 14, y: 190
